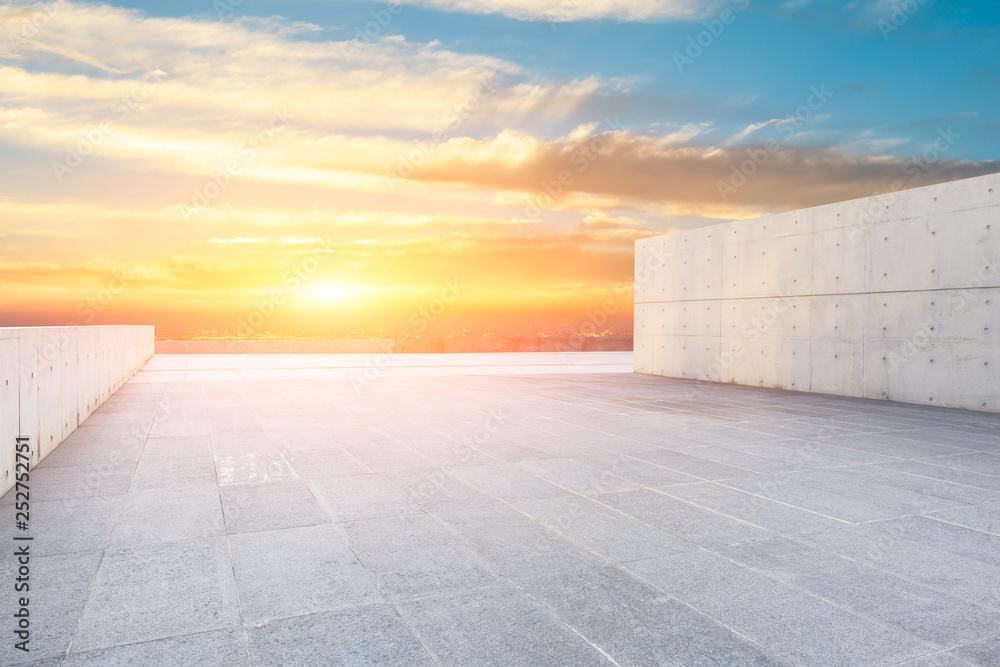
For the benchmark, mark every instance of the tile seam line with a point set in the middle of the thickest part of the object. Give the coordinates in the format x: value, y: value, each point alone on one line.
x: 245, y: 635
x: 427, y: 652
x: 740, y: 633
x: 148, y: 641
x: 934, y: 495
x: 946, y: 651
x: 100, y: 563
x: 865, y: 616
x: 815, y: 487
x: 930, y: 461
x: 498, y: 571
x: 931, y: 517
x: 326, y: 368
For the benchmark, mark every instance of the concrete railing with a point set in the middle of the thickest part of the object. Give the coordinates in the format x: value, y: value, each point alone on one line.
x: 53, y: 378
x: 895, y: 296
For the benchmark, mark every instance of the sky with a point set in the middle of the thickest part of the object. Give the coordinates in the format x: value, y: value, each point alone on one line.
x: 433, y: 167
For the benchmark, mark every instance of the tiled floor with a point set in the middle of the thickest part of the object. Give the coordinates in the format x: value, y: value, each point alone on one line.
x: 507, y: 510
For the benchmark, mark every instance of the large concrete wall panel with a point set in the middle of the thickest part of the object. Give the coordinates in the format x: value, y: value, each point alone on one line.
x: 837, y: 366
x: 28, y: 392
x: 642, y: 354
x: 10, y: 401
x: 894, y: 297
x: 55, y: 377
x: 837, y: 266
x: 88, y: 373
x: 839, y: 316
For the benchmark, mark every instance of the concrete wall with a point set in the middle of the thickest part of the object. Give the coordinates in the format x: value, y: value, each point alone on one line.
x: 53, y: 378
x: 894, y: 297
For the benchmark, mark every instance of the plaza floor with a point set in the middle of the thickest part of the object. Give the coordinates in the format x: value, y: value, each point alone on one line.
x: 493, y: 509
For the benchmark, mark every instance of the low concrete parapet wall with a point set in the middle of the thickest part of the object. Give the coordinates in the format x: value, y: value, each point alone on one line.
x: 53, y: 378
x: 892, y: 297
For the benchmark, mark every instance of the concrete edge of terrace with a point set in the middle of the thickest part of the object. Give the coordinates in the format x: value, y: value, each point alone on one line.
x: 429, y: 344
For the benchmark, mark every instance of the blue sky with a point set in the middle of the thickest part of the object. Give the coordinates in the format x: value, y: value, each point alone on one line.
x: 522, y: 144
x: 896, y: 79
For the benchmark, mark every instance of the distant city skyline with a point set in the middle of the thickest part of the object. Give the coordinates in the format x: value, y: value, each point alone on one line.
x: 446, y: 165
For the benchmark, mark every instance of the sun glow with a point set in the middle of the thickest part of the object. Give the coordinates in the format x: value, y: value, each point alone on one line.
x: 333, y: 292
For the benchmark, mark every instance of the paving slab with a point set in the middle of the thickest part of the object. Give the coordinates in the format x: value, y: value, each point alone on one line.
x: 60, y: 586
x: 168, y: 515
x: 604, y: 530
x: 177, y: 447
x: 576, y: 476
x: 439, y: 489
x: 87, y: 480
x: 802, y: 628
x: 496, y: 626
x: 220, y: 648
x: 64, y: 526
x: 983, y: 653
x: 698, y: 525
x: 357, y: 497
x: 637, y: 624
x: 753, y: 509
x: 158, y: 591
x: 268, y: 506
x: 945, y: 571
x: 358, y: 637
x: 942, y: 620
x: 510, y: 483
x: 298, y: 571
x: 936, y: 660
x: 195, y: 472
x: 415, y: 555
x: 515, y: 544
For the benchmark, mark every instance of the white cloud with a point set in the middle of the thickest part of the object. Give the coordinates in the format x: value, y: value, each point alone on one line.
x: 223, y: 76
x: 559, y: 11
